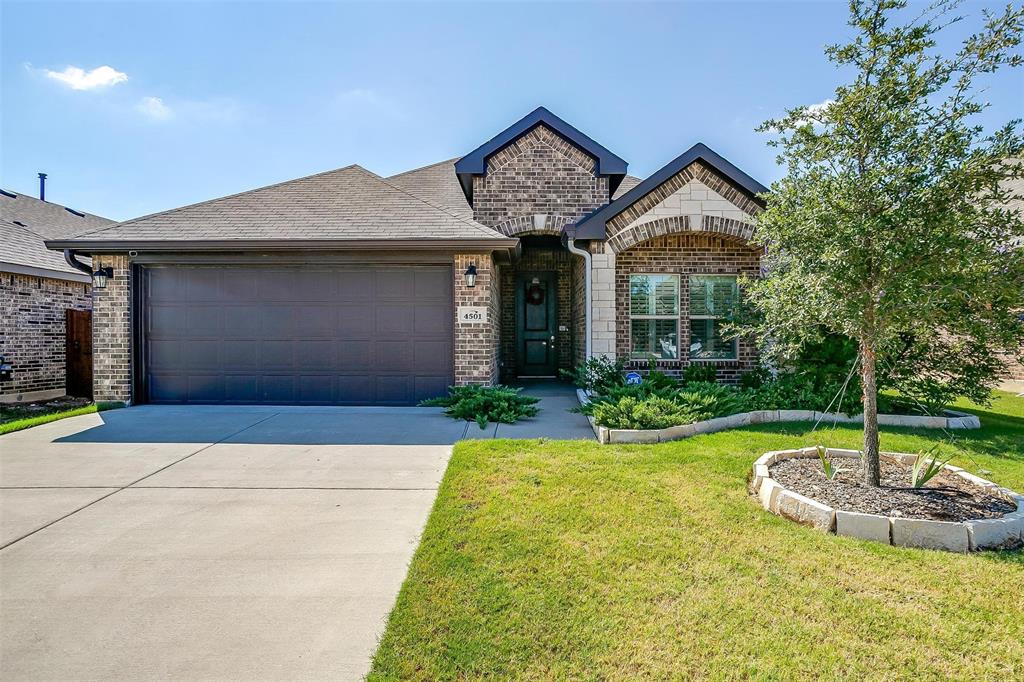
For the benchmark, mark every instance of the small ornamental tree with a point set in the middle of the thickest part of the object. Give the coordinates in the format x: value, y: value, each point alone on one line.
x: 891, y: 226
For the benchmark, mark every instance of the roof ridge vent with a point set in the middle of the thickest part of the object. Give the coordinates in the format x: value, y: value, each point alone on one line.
x: 12, y: 195
x: 74, y: 212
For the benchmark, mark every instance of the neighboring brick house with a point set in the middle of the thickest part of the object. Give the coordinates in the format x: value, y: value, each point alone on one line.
x: 37, y: 288
x: 350, y: 288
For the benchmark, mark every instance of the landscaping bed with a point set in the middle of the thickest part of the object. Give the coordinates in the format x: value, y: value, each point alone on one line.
x: 947, y: 497
x: 951, y: 515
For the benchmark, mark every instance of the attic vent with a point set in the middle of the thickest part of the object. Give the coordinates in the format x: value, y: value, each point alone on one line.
x: 18, y: 222
x: 74, y: 212
x: 8, y: 194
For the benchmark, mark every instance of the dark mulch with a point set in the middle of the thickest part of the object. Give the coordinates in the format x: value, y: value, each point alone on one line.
x: 10, y: 412
x: 946, y: 497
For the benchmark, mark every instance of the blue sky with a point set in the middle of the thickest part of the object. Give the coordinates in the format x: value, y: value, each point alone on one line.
x: 202, y: 100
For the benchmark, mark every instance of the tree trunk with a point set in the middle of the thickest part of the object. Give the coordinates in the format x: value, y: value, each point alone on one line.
x: 872, y: 465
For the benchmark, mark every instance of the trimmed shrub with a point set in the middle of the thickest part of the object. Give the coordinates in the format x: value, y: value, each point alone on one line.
x: 482, y: 404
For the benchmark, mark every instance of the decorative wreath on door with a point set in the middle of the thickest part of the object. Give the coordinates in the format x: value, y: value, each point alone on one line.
x: 535, y: 294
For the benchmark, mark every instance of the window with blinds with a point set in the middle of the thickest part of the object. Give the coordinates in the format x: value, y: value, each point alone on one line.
x: 654, y: 316
x: 712, y: 298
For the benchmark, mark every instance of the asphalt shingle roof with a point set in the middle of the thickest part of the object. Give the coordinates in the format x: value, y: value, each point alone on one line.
x: 438, y: 183
x: 25, y: 222
x: 350, y: 203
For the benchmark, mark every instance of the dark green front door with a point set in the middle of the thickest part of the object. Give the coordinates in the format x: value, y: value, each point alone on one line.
x: 536, y: 324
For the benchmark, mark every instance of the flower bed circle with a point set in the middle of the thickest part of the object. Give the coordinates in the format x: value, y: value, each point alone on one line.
x: 956, y: 512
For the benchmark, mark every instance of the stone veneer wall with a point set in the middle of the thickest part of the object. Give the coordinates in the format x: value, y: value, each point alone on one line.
x: 476, y: 344
x: 538, y: 260
x: 32, y: 331
x: 112, y: 333
x: 537, y: 184
x: 684, y: 255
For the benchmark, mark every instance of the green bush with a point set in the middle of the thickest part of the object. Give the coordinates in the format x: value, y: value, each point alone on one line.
x: 700, y: 372
x: 485, y: 403
x: 655, y: 385
x: 649, y: 413
x: 715, y: 399
x: 596, y: 375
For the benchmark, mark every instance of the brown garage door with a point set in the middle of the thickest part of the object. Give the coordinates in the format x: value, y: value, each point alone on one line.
x: 290, y: 335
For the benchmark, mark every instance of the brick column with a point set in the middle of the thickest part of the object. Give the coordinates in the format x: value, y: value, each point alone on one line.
x: 112, y: 333
x: 476, y: 343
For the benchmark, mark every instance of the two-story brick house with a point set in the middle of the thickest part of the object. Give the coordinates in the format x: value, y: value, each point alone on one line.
x: 512, y: 261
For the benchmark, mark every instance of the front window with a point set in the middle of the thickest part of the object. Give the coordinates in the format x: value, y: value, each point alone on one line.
x: 712, y: 298
x: 654, y: 316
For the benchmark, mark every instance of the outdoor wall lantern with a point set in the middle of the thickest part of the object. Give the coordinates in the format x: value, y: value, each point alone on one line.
x: 471, y: 275
x: 99, y: 278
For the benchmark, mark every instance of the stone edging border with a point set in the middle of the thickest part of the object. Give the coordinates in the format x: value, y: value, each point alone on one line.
x: 998, y: 533
x: 953, y: 420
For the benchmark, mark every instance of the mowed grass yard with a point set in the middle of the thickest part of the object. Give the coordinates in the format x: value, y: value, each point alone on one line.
x: 557, y: 560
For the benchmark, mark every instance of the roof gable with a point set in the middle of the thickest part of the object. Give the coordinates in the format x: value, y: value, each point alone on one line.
x: 475, y: 163
x: 594, y: 225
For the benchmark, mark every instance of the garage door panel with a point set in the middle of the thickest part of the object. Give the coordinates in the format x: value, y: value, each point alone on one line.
x: 341, y: 335
x: 431, y: 319
x: 241, y: 321
x: 395, y: 319
x: 355, y: 356
x: 241, y: 354
x: 319, y: 320
x: 203, y: 320
x: 394, y: 390
x: 205, y: 388
x: 200, y: 354
x: 241, y: 388
x: 433, y: 357
x: 316, y: 389
x: 356, y: 321
x: 396, y: 356
x: 397, y: 283
x: 277, y: 355
x: 356, y: 390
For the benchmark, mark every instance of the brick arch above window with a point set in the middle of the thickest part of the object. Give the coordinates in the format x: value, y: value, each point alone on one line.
x: 533, y: 224
x: 727, y: 227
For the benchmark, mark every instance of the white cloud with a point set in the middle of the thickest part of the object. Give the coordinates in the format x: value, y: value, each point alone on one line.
x: 154, y: 108
x: 80, y: 79
x: 812, y: 110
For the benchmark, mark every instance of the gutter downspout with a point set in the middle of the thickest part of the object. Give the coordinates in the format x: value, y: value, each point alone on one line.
x: 588, y: 295
x: 69, y: 256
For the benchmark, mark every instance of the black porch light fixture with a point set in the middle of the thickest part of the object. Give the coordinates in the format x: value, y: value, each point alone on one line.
x: 471, y: 275
x: 100, y: 277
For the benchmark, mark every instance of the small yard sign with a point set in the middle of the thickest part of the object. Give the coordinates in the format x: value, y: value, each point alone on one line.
x: 633, y: 378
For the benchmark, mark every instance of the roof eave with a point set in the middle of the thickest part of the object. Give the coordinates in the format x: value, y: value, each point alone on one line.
x: 225, y: 245
x: 475, y: 163
x: 594, y: 226
x: 47, y: 273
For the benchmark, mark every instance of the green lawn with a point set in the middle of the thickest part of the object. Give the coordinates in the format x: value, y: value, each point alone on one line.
x: 13, y: 420
x: 563, y: 560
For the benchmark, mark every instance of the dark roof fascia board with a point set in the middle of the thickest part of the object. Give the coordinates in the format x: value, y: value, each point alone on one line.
x: 18, y: 269
x: 594, y: 225
x: 121, y: 246
x: 475, y: 163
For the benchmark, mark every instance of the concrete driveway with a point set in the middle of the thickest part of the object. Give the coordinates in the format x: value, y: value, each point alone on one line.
x: 210, y: 543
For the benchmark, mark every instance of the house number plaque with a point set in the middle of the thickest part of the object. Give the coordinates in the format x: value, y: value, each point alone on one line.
x: 470, y: 314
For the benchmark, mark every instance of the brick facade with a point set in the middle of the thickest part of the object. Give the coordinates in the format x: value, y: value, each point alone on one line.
x: 112, y: 333
x: 537, y: 184
x: 476, y: 344
x: 684, y: 255
x: 32, y: 332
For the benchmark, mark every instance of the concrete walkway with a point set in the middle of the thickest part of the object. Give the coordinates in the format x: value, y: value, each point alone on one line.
x: 156, y: 543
